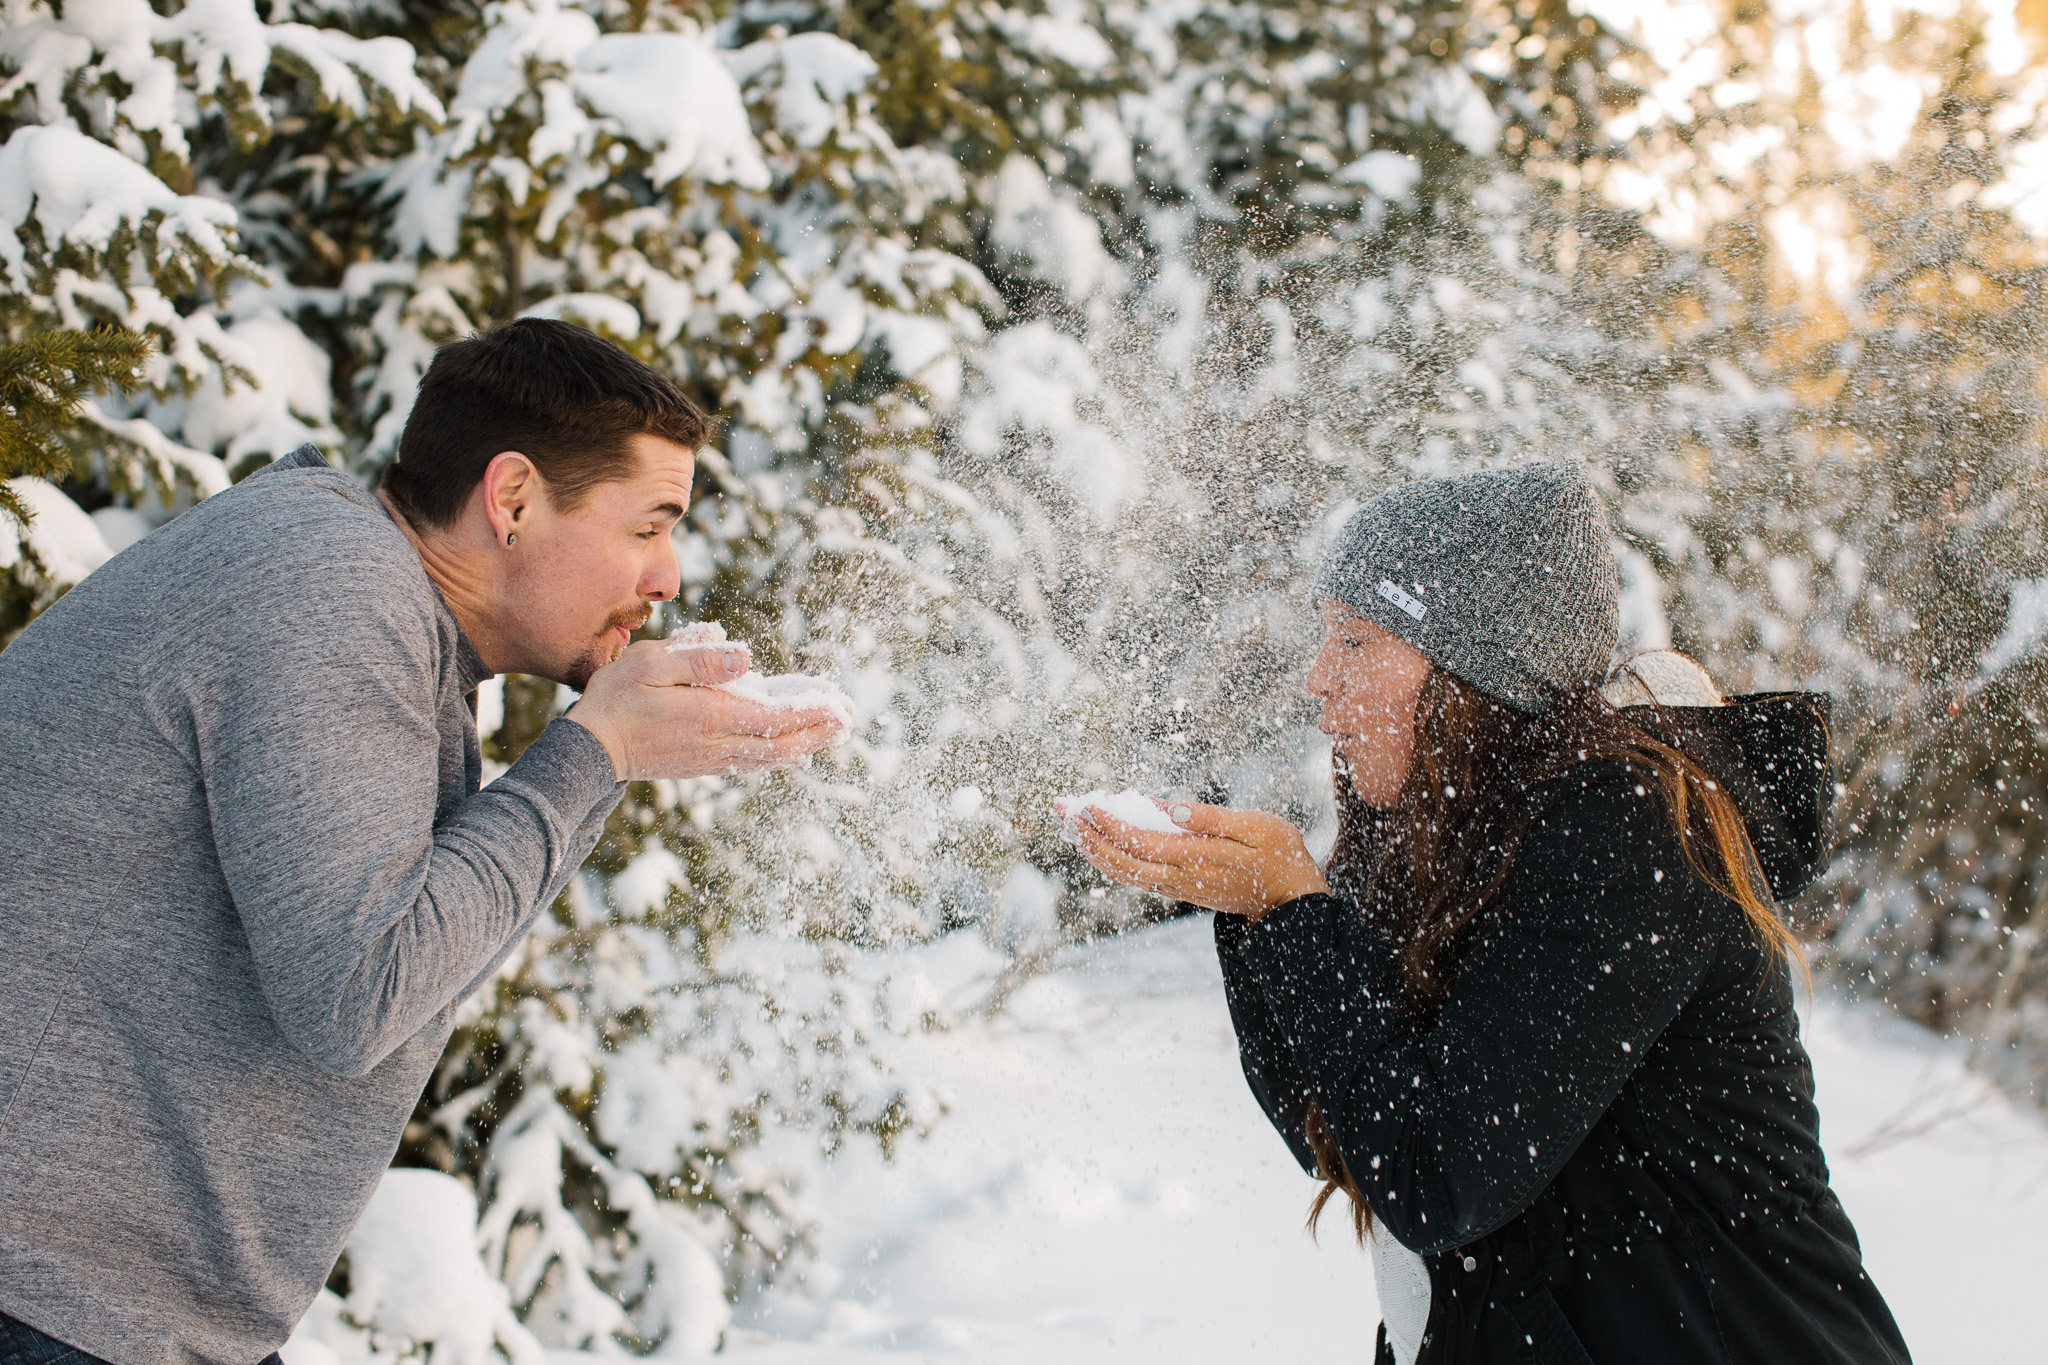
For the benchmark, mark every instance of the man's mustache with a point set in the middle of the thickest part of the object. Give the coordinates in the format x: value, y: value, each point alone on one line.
x: 632, y: 618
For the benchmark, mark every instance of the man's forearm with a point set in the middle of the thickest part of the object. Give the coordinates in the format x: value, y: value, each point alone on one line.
x: 361, y: 942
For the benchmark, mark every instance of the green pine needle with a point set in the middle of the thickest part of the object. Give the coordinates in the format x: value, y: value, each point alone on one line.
x: 43, y: 379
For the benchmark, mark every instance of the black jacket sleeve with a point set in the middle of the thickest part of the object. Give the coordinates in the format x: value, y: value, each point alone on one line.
x: 1599, y: 938
x: 1265, y: 1053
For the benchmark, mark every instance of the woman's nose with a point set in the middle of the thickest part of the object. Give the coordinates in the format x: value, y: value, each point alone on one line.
x: 1318, y: 680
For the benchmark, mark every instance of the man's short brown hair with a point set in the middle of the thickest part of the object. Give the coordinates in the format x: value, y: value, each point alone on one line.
x: 559, y: 394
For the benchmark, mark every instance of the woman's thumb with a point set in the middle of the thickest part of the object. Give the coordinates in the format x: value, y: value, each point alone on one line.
x: 1197, y: 818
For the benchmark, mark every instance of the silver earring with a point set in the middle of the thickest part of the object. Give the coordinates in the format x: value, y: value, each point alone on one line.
x: 510, y: 537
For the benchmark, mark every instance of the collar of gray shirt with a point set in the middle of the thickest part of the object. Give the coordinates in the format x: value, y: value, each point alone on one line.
x: 469, y: 663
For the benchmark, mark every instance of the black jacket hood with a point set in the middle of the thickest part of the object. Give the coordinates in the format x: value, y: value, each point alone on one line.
x: 1770, y: 751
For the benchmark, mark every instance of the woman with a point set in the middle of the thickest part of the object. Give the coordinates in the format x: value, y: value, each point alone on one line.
x: 1535, y: 1020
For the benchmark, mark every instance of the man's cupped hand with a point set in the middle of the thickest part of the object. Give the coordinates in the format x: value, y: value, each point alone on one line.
x: 659, y: 713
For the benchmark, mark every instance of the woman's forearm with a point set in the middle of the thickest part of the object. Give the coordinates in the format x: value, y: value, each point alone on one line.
x: 1268, y: 1061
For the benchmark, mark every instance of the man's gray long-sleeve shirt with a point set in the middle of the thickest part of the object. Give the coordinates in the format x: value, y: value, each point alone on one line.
x: 246, y: 874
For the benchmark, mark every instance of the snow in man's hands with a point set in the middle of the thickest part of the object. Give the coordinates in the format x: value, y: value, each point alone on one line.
x: 780, y: 692
x: 1131, y: 806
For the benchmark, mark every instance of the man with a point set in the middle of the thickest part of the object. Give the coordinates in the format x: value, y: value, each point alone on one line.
x: 246, y: 870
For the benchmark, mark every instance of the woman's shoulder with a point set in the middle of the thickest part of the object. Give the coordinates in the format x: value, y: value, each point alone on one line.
x: 1601, y: 847
x: 1597, y: 799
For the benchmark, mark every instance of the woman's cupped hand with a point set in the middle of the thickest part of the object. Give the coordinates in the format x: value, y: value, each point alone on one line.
x: 1238, y: 862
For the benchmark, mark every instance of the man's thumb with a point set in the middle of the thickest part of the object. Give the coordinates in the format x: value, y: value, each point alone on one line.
x: 704, y: 665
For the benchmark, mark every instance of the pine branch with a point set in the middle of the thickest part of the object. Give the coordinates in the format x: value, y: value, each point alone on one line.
x: 43, y: 378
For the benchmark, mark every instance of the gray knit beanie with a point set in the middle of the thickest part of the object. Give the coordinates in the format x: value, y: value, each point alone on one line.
x: 1505, y: 578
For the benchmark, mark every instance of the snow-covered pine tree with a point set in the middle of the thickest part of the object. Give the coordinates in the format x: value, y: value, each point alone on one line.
x: 1933, y: 389
x: 1880, y: 530
x: 44, y: 378
x: 107, y: 105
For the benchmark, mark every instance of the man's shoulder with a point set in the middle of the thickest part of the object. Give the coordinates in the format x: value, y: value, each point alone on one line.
x: 295, y: 547
x: 303, y: 489
x: 299, y: 516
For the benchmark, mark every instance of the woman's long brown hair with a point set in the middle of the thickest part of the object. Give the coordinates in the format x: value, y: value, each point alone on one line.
x: 1429, y: 868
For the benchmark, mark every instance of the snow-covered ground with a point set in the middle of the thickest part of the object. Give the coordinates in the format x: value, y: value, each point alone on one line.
x: 1106, y: 1189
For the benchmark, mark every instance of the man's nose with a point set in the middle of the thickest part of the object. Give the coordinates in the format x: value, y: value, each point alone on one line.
x: 665, y: 579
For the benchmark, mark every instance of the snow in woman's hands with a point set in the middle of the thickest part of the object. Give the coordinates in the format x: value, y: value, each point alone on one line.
x: 781, y: 692
x: 1131, y: 806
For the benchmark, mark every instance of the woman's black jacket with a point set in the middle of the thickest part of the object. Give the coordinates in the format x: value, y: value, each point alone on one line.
x: 1604, y: 1145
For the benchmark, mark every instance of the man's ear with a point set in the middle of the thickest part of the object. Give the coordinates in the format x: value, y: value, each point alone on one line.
x: 510, y: 489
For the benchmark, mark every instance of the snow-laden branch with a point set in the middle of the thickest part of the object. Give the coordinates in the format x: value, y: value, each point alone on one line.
x: 79, y: 192
x: 207, y: 474
x: 666, y: 93
x: 150, y: 65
